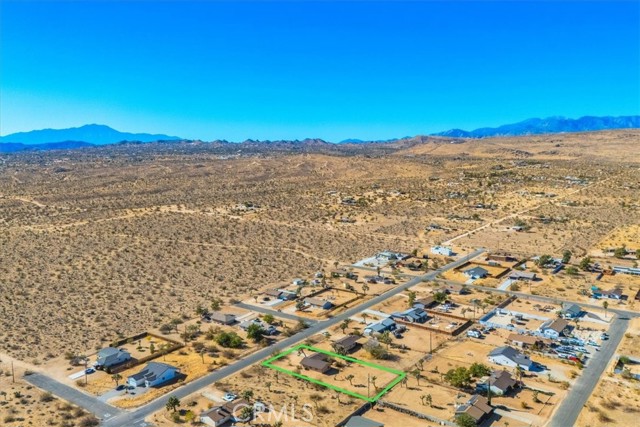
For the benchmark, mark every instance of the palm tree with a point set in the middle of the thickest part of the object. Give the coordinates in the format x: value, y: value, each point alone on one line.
x: 116, y: 378
x: 519, y: 373
x: 417, y: 374
x: 605, y: 305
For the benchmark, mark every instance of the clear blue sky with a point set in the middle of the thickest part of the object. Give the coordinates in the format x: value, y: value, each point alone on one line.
x: 333, y: 70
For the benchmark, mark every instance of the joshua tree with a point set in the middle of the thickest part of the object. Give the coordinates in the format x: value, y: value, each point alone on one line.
x: 344, y: 325
x: 365, y: 288
x: 417, y: 374
x: 605, y: 305
x: 116, y: 378
x: 172, y: 403
x: 350, y: 379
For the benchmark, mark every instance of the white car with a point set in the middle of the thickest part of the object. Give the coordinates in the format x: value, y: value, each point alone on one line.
x: 229, y: 397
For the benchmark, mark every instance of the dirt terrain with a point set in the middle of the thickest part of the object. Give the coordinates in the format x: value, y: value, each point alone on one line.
x: 108, y: 242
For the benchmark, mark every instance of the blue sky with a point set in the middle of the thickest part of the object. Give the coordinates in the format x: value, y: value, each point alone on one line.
x: 332, y: 70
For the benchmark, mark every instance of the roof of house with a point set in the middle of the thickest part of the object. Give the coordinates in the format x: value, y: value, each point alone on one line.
x: 358, y: 421
x: 571, y: 308
x: 502, y: 380
x: 316, y: 301
x: 316, y: 361
x: 427, y: 301
x: 476, y: 271
x: 557, y: 325
x: 477, y: 407
x: 152, y: 371
x: 413, y: 313
x: 522, y: 275
x: 273, y: 292
x: 108, y: 351
x: 525, y: 339
x: 222, y: 317
x: 217, y: 414
x: 511, y: 354
x: 348, y: 341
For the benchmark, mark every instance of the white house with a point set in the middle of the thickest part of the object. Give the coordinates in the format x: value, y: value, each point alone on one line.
x: 553, y: 328
x: 110, y: 356
x: 442, y: 250
x: 155, y: 373
x: 476, y: 273
x: 509, y: 356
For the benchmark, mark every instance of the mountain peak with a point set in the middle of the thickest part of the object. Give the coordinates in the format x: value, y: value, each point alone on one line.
x: 96, y: 134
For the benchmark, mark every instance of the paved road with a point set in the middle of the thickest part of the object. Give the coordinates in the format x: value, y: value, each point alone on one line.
x: 90, y: 403
x: 136, y: 418
x: 567, y: 413
x: 275, y: 313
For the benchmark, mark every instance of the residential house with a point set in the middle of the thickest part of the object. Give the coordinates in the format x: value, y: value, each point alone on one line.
x: 413, y: 315
x: 318, y: 362
x: 509, y: 356
x: 274, y: 293
x: 222, y: 318
x: 522, y: 275
x: 380, y: 327
x: 442, y: 250
x: 318, y: 303
x: 287, y: 296
x: 571, y: 311
x: 598, y: 293
x: 502, y: 257
x: 477, y: 407
x: 110, y: 356
x: 358, y: 421
x: 627, y: 270
x: 347, y: 344
x: 154, y: 374
x: 500, y: 383
x: 299, y: 282
x: 220, y: 415
x: 554, y: 328
x: 425, y: 303
x: 476, y: 273
x: 526, y: 341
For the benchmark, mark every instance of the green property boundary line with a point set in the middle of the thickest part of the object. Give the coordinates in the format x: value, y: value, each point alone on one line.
x: 400, y: 374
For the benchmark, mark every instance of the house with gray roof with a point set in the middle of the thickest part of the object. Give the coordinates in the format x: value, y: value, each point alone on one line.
x: 509, y: 356
x: 380, y: 327
x: 413, y: 315
x: 500, y: 383
x: 154, y: 374
x: 571, y: 311
x: 476, y: 273
x: 109, y: 356
x: 358, y: 421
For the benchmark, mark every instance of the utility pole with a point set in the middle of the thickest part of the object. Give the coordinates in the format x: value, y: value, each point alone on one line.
x: 368, y: 382
x: 430, y: 343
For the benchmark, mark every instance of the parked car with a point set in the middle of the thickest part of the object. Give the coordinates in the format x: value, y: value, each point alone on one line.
x: 229, y: 397
x: 89, y: 371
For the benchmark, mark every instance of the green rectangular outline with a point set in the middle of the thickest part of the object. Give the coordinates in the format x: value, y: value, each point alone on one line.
x: 400, y: 374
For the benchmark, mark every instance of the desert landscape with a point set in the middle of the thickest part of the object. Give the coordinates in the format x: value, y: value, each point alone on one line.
x: 99, y: 245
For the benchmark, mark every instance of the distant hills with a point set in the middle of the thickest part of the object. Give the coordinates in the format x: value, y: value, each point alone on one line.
x: 91, y: 135
x: 548, y: 125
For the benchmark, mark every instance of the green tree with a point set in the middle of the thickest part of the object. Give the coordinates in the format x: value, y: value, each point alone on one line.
x: 412, y: 298
x: 385, y: 338
x: 585, y: 263
x: 478, y: 370
x: 566, y: 256
x: 247, y: 394
x: 255, y: 332
x: 465, y: 420
x: 300, y: 305
x: 620, y: 252
x: 365, y: 288
x: 605, y: 305
x: 417, y: 375
x: 344, y: 325
x: 459, y: 377
x: 440, y: 297
x: 269, y: 318
x: 543, y: 260
x: 172, y: 403
x: 216, y: 304
x: 189, y: 416
x: 637, y: 253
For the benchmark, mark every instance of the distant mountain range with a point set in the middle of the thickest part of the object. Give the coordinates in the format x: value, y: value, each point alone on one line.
x: 548, y: 125
x: 91, y: 135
